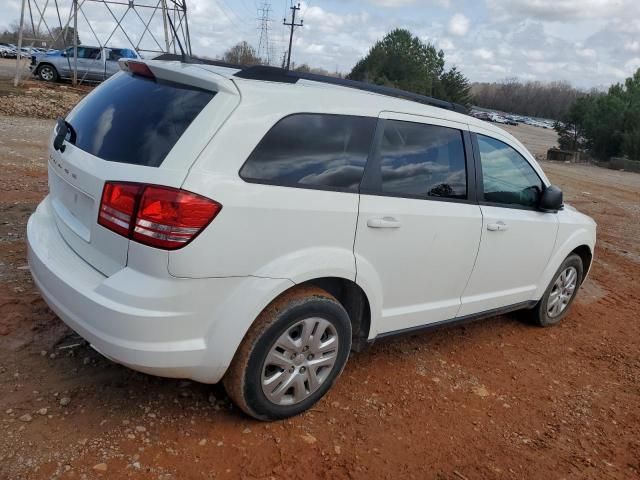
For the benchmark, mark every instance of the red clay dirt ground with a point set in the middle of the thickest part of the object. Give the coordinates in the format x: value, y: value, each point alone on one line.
x: 493, y: 399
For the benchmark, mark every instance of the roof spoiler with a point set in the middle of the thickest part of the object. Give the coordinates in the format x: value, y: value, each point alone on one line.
x: 194, y: 77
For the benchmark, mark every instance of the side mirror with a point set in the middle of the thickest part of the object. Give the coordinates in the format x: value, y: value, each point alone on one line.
x: 551, y: 199
x: 64, y: 54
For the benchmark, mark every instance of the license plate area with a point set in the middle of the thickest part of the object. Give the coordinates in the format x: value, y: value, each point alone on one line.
x: 72, y: 206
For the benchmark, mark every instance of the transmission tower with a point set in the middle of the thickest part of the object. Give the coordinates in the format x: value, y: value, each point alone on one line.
x: 135, y: 22
x: 265, y: 50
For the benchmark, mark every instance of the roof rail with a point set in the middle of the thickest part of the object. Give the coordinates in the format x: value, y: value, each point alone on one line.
x: 276, y: 74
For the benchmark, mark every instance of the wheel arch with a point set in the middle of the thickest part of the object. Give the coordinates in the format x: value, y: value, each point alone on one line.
x: 581, y: 243
x: 354, y: 300
x: 586, y: 255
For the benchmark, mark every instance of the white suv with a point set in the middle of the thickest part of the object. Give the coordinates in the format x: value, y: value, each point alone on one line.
x: 256, y: 225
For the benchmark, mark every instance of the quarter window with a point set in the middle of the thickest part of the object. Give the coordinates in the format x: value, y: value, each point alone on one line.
x: 422, y: 160
x: 314, y: 150
x: 506, y: 176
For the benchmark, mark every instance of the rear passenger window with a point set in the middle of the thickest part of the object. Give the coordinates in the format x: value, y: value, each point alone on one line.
x: 422, y: 160
x: 314, y: 150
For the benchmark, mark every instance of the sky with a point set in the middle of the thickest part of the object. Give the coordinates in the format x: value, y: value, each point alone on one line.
x: 589, y: 43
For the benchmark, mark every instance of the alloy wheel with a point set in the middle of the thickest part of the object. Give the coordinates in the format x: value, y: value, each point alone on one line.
x: 300, y: 360
x: 562, y: 292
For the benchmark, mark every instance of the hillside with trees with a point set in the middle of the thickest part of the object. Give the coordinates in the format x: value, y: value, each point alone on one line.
x: 59, y: 38
x: 404, y: 61
x: 536, y: 99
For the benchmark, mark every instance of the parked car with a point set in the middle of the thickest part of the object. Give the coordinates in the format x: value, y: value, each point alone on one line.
x: 94, y: 64
x: 481, y: 115
x: 8, y: 50
x: 255, y: 225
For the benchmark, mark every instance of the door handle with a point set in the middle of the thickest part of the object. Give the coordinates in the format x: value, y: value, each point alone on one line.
x: 499, y: 226
x: 385, y: 222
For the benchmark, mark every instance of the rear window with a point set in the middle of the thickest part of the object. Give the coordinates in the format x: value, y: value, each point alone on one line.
x: 313, y: 151
x: 135, y: 120
x: 421, y: 160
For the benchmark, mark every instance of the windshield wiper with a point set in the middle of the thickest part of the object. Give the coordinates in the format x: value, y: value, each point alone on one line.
x: 63, y: 128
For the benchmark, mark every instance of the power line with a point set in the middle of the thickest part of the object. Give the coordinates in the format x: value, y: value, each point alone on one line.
x: 293, y: 24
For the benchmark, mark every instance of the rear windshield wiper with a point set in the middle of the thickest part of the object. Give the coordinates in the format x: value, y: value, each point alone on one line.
x: 63, y: 128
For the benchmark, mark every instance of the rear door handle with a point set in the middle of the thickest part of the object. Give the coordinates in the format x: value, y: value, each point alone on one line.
x: 385, y: 222
x: 499, y: 226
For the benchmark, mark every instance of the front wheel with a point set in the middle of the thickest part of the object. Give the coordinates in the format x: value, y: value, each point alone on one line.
x: 291, y: 355
x: 555, y: 303
x: 48, y: 73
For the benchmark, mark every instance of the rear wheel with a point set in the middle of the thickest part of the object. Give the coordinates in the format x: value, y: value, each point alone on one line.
x: 291, y: 356
x: 555, y: 303
x: 48, y: 73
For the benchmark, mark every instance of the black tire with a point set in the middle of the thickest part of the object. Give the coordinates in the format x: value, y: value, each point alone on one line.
x: 243, y: 380
x: 540, y: 314
x: 47, y: 73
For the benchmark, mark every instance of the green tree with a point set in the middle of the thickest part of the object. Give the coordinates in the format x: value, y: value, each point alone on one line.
x: 571, y: 130
x: 456, y: 87
x: 404, y: 61
x: 606, y: 124
x: 631, y: 120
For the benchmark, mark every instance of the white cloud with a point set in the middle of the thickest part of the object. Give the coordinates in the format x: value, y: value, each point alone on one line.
x: 632, y: 46
x: 483, y: 53
x: 632, y: 65
x: 534, y: 54
x: 458, y: 25
x: 393, y: 3
x: 587, y: 42
x: 559, y: 10
x: 446, y: 44
x: 588, y: 53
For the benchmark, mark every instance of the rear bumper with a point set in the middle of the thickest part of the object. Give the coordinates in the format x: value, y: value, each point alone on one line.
x: 164, y: 326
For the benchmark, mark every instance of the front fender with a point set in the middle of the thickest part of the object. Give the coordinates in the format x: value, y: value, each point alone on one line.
x: 566, y: 244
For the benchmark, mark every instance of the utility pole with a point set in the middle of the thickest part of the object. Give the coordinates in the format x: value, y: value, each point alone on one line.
x: 75, y: 43
x: 19, y: 65
x: 293, y: 24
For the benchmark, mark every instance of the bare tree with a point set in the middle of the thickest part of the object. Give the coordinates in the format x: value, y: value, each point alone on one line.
x: 548, y: 100
x: 242, y: 54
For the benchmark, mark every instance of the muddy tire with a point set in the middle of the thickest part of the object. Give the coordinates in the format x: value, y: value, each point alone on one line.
x: 555, y: 303
x: 291, y: 355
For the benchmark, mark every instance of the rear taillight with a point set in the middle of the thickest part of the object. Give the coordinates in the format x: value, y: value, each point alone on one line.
x: 118, y: 206
x: 162, y: 217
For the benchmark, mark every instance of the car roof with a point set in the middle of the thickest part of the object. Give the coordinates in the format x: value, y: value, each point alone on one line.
x: 372, y: 97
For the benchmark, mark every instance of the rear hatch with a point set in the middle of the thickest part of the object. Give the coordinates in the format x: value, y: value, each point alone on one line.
x: 147, y: 128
